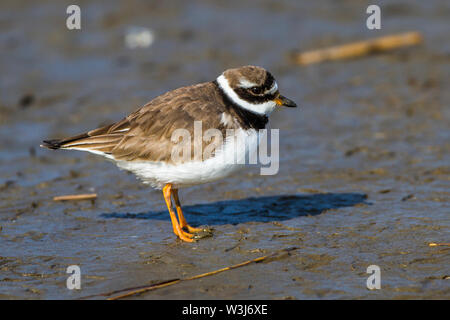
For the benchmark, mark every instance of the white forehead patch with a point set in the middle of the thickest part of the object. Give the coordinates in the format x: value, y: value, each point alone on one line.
x: 244, y: 83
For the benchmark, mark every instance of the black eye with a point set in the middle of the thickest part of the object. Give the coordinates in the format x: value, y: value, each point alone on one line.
x: 256, y: 90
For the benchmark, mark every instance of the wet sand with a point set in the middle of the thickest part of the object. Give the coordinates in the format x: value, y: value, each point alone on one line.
x: 364, y: 162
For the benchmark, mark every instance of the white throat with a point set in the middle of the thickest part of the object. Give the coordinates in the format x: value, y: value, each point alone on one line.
x: 264, y: 108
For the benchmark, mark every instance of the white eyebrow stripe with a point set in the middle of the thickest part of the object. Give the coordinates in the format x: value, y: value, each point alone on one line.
x: 244, y: 83
x: 273, y: 89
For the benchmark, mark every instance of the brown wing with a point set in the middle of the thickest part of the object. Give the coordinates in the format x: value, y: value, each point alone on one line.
x: 146, y: 133
x: 152, y: 126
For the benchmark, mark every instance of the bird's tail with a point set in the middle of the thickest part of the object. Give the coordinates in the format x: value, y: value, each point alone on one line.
x: 63, y: 143
x: 99, y: 141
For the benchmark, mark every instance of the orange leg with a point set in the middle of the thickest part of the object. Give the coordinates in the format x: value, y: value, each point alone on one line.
x: 185, y: 236
x: 183, y: 223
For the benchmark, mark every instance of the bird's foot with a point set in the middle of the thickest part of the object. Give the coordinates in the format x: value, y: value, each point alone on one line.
x: 199, y: 233
x: 185, y: 236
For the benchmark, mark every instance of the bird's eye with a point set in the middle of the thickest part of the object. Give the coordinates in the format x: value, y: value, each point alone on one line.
x: 256, y: 90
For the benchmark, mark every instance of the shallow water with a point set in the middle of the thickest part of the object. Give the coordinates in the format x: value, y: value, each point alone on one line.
x: 364, y: 162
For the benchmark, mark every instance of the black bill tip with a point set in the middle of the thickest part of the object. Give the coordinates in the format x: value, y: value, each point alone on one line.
x: 285, y: 102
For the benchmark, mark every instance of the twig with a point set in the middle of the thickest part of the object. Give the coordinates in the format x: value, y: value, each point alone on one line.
x: 87, y: 196
x: 432, y: 244
x: 357, y: 49
x: 123, y: 293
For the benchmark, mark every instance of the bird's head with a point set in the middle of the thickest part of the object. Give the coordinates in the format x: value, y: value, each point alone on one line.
x: 253, y: 88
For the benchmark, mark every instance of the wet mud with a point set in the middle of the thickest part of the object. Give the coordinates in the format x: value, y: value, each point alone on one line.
x: 364, y: 160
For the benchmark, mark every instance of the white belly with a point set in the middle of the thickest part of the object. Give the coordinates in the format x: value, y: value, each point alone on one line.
x: 227, y: 160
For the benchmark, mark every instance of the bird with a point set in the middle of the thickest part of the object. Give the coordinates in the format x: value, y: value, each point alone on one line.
x: 239, y: 100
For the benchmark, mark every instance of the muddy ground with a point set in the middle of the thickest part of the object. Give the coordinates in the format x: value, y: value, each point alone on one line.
x: 364, y: 162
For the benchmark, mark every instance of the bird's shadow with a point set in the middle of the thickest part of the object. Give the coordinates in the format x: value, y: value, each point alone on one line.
x: 260, y: 209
